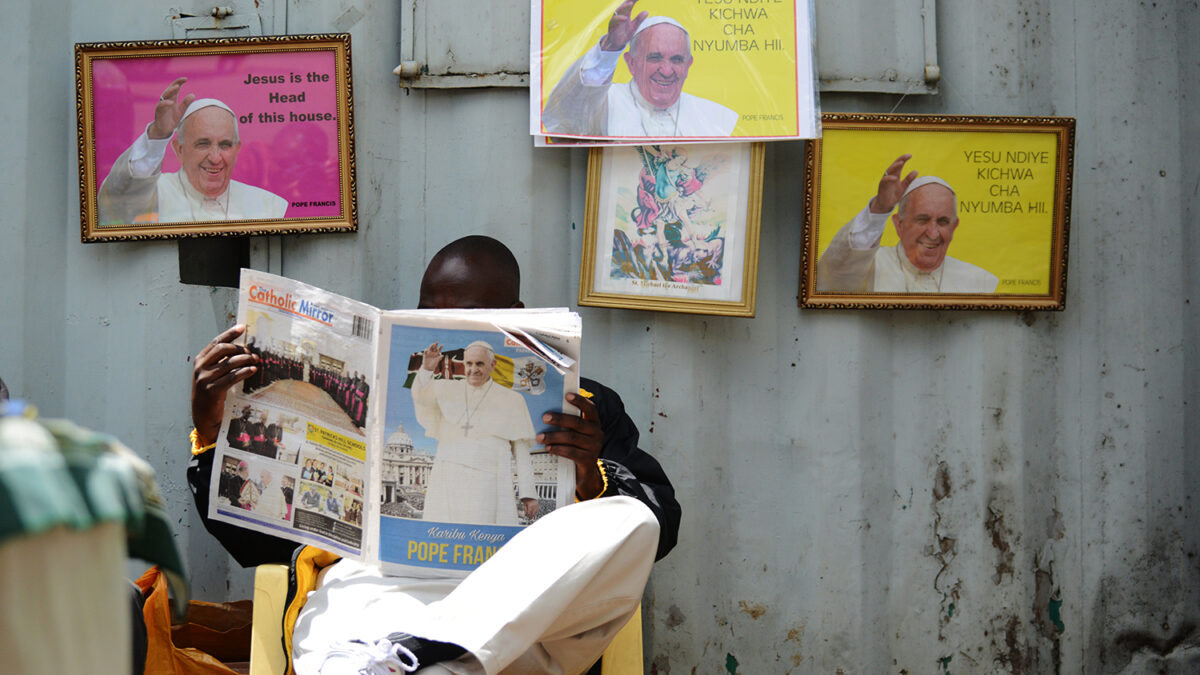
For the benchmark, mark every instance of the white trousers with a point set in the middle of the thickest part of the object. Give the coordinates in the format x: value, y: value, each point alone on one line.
x: 549, y: 601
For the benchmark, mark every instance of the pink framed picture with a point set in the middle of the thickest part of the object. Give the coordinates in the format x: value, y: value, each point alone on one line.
x: 188, y: 138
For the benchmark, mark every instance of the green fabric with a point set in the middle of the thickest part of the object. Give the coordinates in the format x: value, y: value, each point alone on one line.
x: 54, y: 473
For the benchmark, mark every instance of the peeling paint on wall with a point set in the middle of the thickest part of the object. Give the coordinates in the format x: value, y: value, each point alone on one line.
x: 755, y: 610
x: 1000, y: 537
x: 908, y: 421
x: 796, y: 635
x: 1047, y: 595
x: 943, y: 549
x: 675, y: 617
x: 1148, y: 619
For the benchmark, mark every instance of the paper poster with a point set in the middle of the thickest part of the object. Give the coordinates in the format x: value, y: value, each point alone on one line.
x: 653, y: 70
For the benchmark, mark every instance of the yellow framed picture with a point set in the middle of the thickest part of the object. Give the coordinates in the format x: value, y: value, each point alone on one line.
x: 937, y: 211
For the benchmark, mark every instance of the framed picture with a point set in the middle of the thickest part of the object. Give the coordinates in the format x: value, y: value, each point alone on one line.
x: 673, y: 228
x: 188, y: 138
x: 937, y: 211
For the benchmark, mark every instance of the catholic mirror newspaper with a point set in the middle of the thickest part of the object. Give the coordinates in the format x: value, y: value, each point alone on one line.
x: 401, y: 438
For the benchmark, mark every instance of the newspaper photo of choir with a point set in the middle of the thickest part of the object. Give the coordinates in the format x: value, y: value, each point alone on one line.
x: 349, y: 391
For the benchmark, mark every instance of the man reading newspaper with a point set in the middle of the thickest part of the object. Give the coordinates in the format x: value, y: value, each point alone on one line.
x: 549, y: 601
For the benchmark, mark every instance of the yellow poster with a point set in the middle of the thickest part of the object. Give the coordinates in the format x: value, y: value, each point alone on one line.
x: 941, y: 206
x: 643, y: 71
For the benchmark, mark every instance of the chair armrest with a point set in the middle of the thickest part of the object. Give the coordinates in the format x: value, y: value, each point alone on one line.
x: 624, y: 653
x: 266, y: 637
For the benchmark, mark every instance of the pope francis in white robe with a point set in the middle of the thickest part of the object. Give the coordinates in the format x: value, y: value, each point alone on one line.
x: 586, y: 102
x: 137, y: 191
x: 480, y: 429
x: 854, y: 262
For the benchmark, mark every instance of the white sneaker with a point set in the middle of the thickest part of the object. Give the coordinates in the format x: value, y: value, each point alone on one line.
x: 358, y: 657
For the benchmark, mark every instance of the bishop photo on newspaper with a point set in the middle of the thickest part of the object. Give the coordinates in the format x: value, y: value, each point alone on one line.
x: 401, y: 438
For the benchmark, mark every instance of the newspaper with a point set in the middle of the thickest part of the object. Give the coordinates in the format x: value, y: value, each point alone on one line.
x: 405, y: 439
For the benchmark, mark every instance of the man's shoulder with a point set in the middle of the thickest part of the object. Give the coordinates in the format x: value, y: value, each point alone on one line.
x: 966, y: 267
x: 718, y: 119
x: 609, y: 406
x: 243, y: 191
x: 506, y: 392
x: 599, y: 391
x: 705, y: 105
x: 887, y: 258
x: 971, y: 278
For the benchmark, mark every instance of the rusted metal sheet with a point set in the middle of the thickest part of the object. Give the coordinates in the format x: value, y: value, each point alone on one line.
x: 864, y: 492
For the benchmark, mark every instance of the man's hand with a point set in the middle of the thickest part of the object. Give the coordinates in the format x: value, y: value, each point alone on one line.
x: 219, y: 366
x: 621, y: 27
x: 531, y: 507
x: 169, y: 111
x: 892, y: 186
x: 580, y: 440
x: 429, y: 358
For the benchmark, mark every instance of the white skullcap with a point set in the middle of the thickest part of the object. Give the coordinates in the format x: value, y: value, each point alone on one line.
x: 656, y: 20
x: 922, y: 181
x: 482, y: 345
x: 200, y: 104
x: 206, y: 103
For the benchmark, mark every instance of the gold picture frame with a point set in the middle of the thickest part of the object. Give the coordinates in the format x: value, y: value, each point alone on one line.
x: 1007, y: 213
x: 286, y: 167
x: 673, y: 228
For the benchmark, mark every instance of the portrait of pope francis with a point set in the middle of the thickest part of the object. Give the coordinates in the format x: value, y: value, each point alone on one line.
x: 203, y: 133
x: 482, y: 428
x: 657, y: 51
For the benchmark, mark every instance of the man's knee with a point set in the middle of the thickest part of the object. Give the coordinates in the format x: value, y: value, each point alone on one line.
x: 633, y: 520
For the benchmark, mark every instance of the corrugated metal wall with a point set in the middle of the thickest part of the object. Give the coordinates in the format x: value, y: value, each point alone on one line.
x: 864, y: 492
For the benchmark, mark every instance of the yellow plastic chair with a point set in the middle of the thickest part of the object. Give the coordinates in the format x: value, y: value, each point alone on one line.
x: 266, y: 631
x: 623, y: 656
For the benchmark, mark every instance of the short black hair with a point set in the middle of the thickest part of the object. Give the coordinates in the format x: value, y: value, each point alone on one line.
x: 486, y: 254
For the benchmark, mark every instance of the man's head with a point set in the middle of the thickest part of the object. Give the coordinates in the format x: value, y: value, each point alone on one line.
x: 474, y: 272
x: 207, y: 145
x: 925, y: 220
x: 243, y: 470
x: 479, y: 360
x: 265, y: 477
x: 659, y: 57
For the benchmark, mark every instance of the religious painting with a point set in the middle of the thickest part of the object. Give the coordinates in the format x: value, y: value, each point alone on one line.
x: 937, y: 211
x: 673, y: 228
x: 652, y: 71
x: 188, y: 138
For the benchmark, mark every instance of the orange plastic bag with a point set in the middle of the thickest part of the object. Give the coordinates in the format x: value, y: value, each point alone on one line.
x: 162, y: 656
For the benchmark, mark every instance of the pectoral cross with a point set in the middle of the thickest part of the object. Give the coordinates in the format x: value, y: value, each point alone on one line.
x: 466, y: 426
